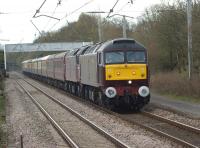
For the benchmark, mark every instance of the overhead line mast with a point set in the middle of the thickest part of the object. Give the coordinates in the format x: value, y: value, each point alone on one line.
x: 189, y: 21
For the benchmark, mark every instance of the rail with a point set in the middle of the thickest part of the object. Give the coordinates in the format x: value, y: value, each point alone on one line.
x: 95, y: 127
x: 53, y: 122
x: 172, y: 122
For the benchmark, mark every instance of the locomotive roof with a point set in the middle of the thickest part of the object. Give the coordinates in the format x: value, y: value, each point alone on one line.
x: 34, y: 60
x: 27, y: 61
x: 73, y: 52
x: 44, y: 58
x: 60, y: 55
x: 51, y: 56
x: 83, y: 49
x: 121, y: 43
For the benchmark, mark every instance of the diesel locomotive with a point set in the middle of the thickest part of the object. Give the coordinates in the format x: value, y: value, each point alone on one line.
x: 111, y: 73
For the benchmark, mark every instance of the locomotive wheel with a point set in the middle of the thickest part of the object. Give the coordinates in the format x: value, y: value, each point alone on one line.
x: 110, y: 103
x: 100, y: 99
x: 70, y: 88
x: 86, y: 92
x: 65, y: 86
x: 135, y: 108
x: 55, y: 83
x: 78, y: 91
x: 73, y: 89
x: 92, y: 95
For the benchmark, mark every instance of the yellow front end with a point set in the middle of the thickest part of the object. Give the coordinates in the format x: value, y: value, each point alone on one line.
x: 126, y: 71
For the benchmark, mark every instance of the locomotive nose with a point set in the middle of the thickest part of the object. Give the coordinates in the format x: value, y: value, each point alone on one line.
x: 110, y: 92
x: 143, y: 91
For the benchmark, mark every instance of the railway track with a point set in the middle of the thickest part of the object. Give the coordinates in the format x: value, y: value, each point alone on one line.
x: 178, y: 132
x: 172, y: 122
x: 76, y: 130
x: 181, y: 133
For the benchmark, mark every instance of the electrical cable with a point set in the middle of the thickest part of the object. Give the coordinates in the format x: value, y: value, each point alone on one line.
x: 52, y: 14
x: 122, y: 7
x: 71, y: 13
x: 111, y: 10
x: 38, y: 10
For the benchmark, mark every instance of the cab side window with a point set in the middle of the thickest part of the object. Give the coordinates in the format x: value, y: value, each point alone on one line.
x: 99, y: 58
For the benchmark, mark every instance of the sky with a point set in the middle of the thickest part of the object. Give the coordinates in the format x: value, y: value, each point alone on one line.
x: 16, y: 15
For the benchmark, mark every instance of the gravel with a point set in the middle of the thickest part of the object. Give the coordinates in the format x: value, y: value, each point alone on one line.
x: 23, y: 117
x: 130, y: 134
x: 81, y: 133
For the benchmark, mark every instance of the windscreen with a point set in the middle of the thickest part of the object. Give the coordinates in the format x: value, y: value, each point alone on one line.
x: 114, y: 57
x: 135, y: 56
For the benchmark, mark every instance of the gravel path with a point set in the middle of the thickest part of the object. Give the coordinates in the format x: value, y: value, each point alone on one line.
x: 131, y: 134
x: 190, y: 109
x: 23, y: 117
x: 80, y: 132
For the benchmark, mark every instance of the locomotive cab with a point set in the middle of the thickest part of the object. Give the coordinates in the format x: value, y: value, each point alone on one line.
x: 126, y: 76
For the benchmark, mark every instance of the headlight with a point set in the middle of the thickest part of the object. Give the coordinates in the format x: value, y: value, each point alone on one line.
x: 110, y: 92
x: 143, y: 91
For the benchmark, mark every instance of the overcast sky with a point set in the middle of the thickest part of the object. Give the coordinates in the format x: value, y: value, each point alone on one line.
x: 15, y: 24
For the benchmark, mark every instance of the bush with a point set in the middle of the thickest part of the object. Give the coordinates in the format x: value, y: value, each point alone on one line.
x: 174, y: 83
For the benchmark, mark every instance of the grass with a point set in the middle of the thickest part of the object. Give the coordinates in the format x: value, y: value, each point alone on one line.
x: 179, y: 97
x: 1, y: 56
x: 1, y: 59
x: 186, y: 99
x: 177, y: 86
x: 2, y: 117
x: 2, y: 109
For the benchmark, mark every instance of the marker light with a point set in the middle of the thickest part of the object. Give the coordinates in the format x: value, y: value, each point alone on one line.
x: 110, y: 92
x: 143, y: 91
